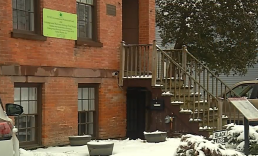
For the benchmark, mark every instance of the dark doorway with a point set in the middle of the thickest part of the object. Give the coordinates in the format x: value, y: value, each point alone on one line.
x: 130, y: 21
x: 136, y: 105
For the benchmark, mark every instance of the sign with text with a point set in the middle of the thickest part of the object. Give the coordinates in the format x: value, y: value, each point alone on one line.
x: 220, y: 137
x: 246, y: 108
x: 59, y: 24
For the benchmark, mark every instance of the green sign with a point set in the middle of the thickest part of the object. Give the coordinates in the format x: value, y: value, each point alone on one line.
x: 59, y: 24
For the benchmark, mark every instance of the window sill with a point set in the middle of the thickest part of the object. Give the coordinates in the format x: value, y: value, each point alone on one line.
x: 88, y: 43
x: 27, y: 35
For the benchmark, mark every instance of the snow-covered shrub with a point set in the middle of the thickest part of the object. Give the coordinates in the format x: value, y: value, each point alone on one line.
x: 192, y: 145
x: 236, y: 137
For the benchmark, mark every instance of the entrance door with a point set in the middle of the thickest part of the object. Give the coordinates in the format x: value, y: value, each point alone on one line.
x: 136, y: 102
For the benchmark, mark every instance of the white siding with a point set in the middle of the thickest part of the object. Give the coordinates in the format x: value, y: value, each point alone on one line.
x: 252, y: 74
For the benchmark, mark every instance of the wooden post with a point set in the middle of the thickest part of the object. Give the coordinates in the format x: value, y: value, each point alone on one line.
x: 122, y: 64
x: 154, y: 64
x: 184, y: 60
x: 220, y: 104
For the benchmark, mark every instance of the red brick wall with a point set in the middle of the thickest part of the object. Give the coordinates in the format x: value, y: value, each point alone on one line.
x: 146, y: 21
x: 112, y: 110
x: 6, y: 89
x: 59, y: 110
x: 59, y: 103
x: 60, y: 52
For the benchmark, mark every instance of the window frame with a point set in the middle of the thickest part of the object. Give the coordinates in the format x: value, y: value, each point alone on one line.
x: 94, y: 41
x: 96, y: 116
x: 38, y: 123
x: 37, y: 33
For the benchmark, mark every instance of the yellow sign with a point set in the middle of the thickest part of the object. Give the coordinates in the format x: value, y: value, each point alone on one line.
x: 59, y: 24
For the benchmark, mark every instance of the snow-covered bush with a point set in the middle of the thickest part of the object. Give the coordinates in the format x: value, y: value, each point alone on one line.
x: 192, y: 145
x: 236, y: 138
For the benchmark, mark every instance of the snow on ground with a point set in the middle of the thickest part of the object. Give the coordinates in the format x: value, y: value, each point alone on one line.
x: 121, y: 148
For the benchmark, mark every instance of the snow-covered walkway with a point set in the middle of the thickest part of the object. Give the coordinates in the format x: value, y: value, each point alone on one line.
x: 121, y: 148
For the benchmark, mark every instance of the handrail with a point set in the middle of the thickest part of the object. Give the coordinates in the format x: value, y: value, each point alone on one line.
x: 203, y: 65
x: 208, y: 69
x: 190, y: 70
x: 185, y: 72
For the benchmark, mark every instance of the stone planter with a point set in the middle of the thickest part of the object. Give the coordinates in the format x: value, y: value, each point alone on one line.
x: 155, y: 137
x: 79, y: 140
x: 100, y: 148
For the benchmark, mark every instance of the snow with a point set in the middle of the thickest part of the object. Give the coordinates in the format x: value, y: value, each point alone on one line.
x: 177, y: 102
x: 156, y: 132
x: 191, y: 119
x: 167, y: 93
x: 142, y: 76
x: 121, y: 148
x: 185, y: 145
x: 99, y: 143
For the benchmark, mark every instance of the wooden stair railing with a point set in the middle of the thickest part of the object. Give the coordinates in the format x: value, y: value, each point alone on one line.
x: 185, y: 78
x: 203, y: 94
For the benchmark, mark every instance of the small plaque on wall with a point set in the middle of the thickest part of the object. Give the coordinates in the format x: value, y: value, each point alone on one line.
x: 157, y: 104
x: 111, y: 10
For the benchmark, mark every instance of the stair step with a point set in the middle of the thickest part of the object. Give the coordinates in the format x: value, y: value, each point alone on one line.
x: 191, y: 94
x: 195, y: 120
x: 185, y: 97
x: 177, y: 102
x: 186, y: 111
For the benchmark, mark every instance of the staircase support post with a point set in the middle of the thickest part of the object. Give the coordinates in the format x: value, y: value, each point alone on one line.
x: 154, y: 64
x: 122, y: 64
x: 184, y: 60
x: 220, y: 107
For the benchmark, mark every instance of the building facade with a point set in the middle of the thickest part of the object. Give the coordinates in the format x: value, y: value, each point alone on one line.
x: 68, y: 87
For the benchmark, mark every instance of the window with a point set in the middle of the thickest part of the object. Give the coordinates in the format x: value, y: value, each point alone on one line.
x: 87, y: 23
x: 23, y: 15
x: 27, y: 20
x: 29, y: 122
x: 243, y: 90
x: 84, y: 18
x: 87, y: 110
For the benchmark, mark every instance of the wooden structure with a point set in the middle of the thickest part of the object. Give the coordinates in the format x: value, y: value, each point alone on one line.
x: 181, y: 81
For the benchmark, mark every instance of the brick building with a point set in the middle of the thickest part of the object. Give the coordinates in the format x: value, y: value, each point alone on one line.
x: 66, y: 86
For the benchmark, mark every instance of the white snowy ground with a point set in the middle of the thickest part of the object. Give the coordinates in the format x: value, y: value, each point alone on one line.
x: 121, y: 148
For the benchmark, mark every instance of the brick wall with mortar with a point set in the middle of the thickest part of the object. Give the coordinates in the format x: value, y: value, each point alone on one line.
x: 60, y: 93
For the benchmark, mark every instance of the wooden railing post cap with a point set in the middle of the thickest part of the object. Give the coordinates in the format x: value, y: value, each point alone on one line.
x: 184, y: 47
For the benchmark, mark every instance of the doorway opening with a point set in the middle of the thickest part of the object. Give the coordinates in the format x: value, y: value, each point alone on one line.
x: 136, y: 104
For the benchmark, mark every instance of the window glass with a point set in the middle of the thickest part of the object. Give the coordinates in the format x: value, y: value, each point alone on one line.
x: 86, y: 110
x: 23, y: 14
x: 84, y: 18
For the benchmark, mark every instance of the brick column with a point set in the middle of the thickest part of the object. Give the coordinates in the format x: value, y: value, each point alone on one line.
x: 146, y: 21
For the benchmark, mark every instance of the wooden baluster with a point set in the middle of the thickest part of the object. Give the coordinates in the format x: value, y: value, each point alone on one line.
x: 154, y: 63
x: 136, y: 61
x: 127, y: 61
x: 122, y: 64
x: 131, y: 61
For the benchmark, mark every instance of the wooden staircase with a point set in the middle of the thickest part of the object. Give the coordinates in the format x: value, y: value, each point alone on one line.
x: 194, y: 97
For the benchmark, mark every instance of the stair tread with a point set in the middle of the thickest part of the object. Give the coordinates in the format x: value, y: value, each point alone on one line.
x: 182, y: 95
